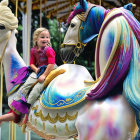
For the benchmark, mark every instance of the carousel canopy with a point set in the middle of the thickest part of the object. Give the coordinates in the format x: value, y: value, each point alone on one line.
x: 62, y: 8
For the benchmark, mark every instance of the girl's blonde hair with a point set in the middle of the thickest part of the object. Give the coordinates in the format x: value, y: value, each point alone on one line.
x: 36, y: 34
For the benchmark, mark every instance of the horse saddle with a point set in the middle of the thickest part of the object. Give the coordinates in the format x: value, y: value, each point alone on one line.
x: 66, y: 89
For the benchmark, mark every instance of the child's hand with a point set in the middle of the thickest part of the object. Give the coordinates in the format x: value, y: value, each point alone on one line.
x: 37, y: 70
x: 41, y: 78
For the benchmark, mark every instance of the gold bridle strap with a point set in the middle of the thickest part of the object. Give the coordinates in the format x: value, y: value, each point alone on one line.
x: 79, y: 45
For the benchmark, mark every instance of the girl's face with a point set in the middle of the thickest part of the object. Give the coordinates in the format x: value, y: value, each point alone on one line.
x: 43, y: 39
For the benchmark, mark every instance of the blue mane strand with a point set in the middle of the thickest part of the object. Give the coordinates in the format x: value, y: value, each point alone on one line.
x: 93, y: 24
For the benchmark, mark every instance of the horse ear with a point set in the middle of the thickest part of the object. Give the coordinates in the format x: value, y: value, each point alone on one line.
x: 83, y: 4
x: 129, y: 6
x: 4, y: 3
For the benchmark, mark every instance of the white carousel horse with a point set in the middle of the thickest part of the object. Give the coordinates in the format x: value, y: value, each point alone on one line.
x: 117, y: 69
x: 57, y: 121
x: 53, y: 116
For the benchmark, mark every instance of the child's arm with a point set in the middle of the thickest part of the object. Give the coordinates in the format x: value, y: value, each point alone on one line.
x: 46, y: 73
x: 34, y: 68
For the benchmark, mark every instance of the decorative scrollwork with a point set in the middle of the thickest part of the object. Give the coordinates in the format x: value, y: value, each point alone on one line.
x: 56, y: 118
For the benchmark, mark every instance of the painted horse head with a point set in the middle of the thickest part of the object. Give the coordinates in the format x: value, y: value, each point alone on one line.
x: 84, y: 22
x: 84, y: 25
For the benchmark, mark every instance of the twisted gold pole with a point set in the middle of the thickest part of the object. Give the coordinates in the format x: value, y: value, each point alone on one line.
x: 9, y: 130
x: 40, y: 13
x: 16, y: 8
x: 100, y: 2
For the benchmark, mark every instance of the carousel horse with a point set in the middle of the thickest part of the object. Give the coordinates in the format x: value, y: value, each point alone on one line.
x: 54, y: 114
x: 117, y: 69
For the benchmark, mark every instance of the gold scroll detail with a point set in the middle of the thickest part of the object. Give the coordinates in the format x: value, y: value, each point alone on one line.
x: 56, y: 118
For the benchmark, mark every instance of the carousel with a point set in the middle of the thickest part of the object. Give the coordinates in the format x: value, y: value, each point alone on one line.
x: 73, y: 104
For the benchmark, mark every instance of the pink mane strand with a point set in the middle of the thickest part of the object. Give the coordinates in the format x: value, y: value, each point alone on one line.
x: 74, y: 12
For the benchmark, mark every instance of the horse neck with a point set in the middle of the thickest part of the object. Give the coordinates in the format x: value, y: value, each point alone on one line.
x: 12, y: 61
x: 92, y: 24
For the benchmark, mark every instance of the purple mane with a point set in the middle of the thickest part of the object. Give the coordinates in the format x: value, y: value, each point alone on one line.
x: 77, y: 9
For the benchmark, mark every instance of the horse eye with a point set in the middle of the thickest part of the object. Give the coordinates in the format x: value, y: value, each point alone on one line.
x: 72, y: 25
x: 2, y: 27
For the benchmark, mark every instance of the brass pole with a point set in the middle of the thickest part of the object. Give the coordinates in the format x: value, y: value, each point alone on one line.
x: 40, y: 13
x: 16, y: 8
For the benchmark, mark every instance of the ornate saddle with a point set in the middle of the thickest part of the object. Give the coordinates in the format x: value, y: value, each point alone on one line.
x: 67, y: 89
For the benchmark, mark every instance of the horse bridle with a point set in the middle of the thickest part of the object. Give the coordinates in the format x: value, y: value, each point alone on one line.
x: 79, y: 47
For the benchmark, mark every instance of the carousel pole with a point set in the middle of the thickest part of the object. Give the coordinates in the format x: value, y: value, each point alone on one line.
x: 12, y: 135
x: 40, y: 13
x: 26, y: 34
x: 28, y: 23
x: 100, y: 2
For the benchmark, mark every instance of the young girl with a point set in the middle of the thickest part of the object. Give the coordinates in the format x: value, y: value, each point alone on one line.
x: 42, y: 62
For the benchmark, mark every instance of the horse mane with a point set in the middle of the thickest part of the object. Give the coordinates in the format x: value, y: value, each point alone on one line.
x: 131, y: 84
x: 121, y: 62
x: 76, y: 10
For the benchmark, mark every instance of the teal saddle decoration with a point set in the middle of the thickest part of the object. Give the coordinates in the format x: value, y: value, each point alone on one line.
x: 54, y: 100
x: 67, y: 89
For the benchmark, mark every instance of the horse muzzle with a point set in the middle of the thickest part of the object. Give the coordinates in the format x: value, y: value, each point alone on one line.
x: 69, y: 53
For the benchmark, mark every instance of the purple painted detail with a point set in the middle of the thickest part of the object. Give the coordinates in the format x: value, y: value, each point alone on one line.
x: 20, y: 105
x: 73, y: 13
x: 21, y: 75
x: 113, y: 131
